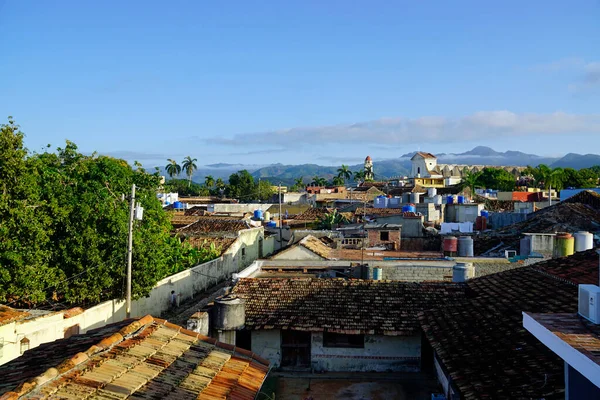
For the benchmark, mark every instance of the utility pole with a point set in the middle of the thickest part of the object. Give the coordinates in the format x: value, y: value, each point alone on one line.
x: 130, y: 252
x: 362, y: 247
x: 280, y: 220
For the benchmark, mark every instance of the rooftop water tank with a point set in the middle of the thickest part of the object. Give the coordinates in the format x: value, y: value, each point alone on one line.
x: 450, y: 200
x: 437, y: 200
x: 377, y: 273
x: 485, y: 213
x: 394, y: 202
x: 583, y: 241
x: 271, y: 224
x: 267, y: 216
x: 415, y: 197
x: 380, y: 202
x: 461, y: 199
x: 431, y: 192
x: 465, y: 246
x: 564, y: 245
x: 525, y: 246
x: 450, y: 245
x: 258, y: 214
x: 462, y: 271
x: 229, y: 313
x: 178, y: 205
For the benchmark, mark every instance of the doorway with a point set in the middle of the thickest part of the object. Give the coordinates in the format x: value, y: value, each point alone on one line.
x: 295, y: 349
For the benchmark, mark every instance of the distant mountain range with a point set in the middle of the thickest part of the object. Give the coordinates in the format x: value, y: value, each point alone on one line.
x: 480, y: 155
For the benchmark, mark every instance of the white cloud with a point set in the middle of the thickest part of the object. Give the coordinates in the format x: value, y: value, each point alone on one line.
x: 586, y: 74
x: 478, y: 126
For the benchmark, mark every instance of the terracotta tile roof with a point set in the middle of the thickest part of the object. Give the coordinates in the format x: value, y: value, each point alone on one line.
x: 423, y: 154
x: 316, y: 246
x: 580, y: 268
x: 214, y: 225
x: 561, y: 217
x: 312, y: 214
x: 378, y: 211
x: 146, y: 359
x: 586, y: 197
x: 343, y: 306
x: 8, y: 315
x: 482, y: 343
x: 575, y: 331
x: 179, y: 221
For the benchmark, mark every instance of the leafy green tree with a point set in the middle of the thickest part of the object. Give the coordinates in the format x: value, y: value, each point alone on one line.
x: 497, y: 178
x: 63, y: 226
x: 241, y: 186
x: 183, y: 187
x: 298, y: 185
x: 338, y: 181
x: 587, y: 178
x: 172, y: 168
x: 189, y: 166
x: 344, y: 173
x: 25, y: 269
x: 265, y: 190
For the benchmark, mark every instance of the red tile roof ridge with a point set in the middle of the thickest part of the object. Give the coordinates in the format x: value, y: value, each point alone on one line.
x: 112, y: 340
x: 77, y: 359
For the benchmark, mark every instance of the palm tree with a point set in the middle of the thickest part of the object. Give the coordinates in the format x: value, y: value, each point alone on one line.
x: 470, y: 180
x: 359, y: 175
x: 219, y: 183
x: 338, y: 181
x: 189, y: 167
x: 172, y: 168
x: 209, y: 181
x: 319, y: 181
x: 344, y: 173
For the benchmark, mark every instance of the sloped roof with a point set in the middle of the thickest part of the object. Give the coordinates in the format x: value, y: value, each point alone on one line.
x: 339, y: 305
x: 482, y: 343
x: 562, y: 217
x: 423, y: 154
x: 316, y: 246
x: 378, y: 211
x: 204, y: 242
x: 587, y: 197
x: 313, y: 214
x: 214, y: 225
x: 8, y: 315
x: 144, y: 359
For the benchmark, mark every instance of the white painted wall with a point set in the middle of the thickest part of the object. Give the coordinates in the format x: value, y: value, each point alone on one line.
x: 424, y: 164
x: 267, y: 344
x: 381, y: 353
x: 297, y: 252
x: 237, y: 208
x: 187, y: 283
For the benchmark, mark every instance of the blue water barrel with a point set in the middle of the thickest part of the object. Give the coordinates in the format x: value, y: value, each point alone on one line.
x: 405, y: 209
x: 258, y: 214
x: 485, y: 213
x: 377, y: 273
x: 412, y: 208
x: 271, y: 224
x: 178, y: 205
x: 461, y: 199
x: 450, y: 200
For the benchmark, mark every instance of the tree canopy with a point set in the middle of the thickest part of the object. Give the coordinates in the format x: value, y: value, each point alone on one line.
x: 64, y: 226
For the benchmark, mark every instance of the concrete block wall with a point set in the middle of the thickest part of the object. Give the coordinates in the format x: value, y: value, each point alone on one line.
x: 380, y: 354
x: 187, y: 283
x: 417, y: 273
x: 374, y: 237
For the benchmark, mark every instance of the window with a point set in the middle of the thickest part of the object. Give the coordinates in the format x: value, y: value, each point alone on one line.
x: 384, y: 235
x: 331, y: 339
x: 418, y: 170
x: 243, y: 252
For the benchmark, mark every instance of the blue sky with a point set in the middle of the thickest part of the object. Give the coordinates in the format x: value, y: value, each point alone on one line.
x: 307, y: 81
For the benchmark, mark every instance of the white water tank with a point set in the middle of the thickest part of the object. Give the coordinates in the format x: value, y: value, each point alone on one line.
x: 415, y: 198
x: 431, y: 192
x: 465, y: 246
x: 461, y: 272
x: 583, y: 241
x: 437, y: 200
